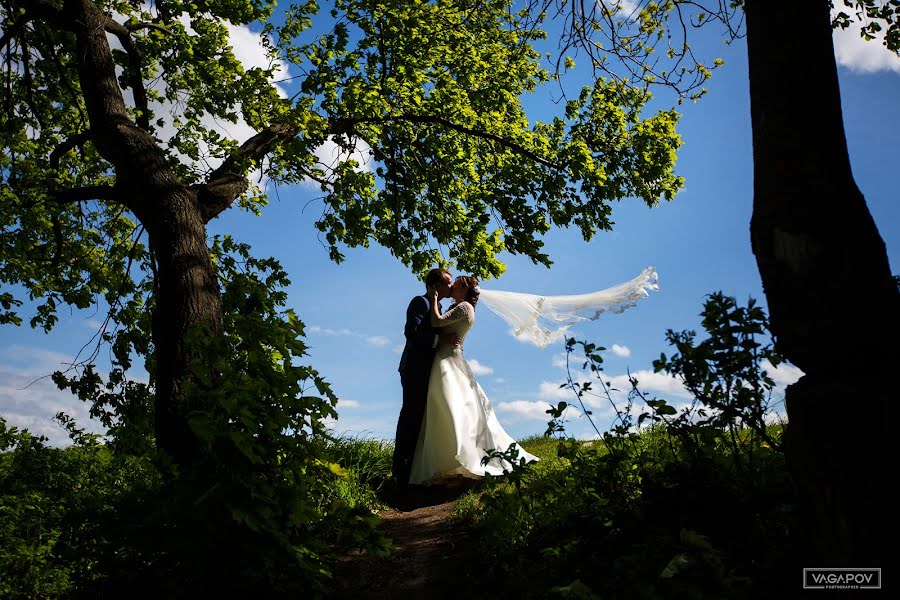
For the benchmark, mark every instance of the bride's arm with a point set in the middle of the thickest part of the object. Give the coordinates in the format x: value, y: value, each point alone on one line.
x: 454, y: 315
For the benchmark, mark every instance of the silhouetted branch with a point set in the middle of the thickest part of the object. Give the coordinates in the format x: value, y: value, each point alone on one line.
x: 135, y: 78
x: 75, y: 141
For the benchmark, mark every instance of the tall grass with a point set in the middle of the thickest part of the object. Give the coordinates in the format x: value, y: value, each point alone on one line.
x: 368, y: 465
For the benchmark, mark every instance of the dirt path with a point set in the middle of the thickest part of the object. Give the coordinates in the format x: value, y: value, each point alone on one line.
x: 431, y: 560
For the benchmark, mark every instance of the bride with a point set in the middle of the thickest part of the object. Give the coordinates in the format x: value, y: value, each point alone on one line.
x: 459, y: 424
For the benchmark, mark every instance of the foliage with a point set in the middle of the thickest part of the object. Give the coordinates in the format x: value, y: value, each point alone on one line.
x: 874, y: 16
x: 671, y: 503
x: 70, y: 519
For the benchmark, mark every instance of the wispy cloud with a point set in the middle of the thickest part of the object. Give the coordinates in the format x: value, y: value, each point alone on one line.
x: 861, y: 56
x: 531, y: 410
x: 575, y: 361
x: 618, y: 388
x: 552, y: 391
x: 342, y: 403
x: 374, y: 340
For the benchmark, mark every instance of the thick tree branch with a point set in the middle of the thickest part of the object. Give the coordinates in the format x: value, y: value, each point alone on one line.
x: 229, y: 181
x: 83, y: 194
x: 136, y: 80
x: 73, y: 142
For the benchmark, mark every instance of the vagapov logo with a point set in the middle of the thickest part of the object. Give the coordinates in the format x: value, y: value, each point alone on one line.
x: 841, y: 579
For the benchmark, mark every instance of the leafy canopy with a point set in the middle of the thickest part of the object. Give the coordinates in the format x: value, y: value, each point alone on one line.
x: 428, y: 93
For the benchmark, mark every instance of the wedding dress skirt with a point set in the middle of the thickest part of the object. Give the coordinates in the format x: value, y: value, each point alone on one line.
x: 458, y: 426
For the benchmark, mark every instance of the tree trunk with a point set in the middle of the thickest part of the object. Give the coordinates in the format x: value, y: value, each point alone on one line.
x: 834, y: 307
x: 187, y: 290
x: 187, y: 297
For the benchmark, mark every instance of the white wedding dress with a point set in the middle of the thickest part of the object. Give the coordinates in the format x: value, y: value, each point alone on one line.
x: 459, y: 422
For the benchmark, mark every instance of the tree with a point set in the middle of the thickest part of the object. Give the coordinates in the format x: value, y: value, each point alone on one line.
x: 823, y: 264
x: 826, y: 276
x: 113, y: 163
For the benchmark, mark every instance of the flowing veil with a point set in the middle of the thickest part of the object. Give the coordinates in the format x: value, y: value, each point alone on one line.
x: 542, y: 320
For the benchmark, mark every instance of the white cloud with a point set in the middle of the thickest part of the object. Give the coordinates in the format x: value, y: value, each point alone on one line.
x: 619, y: 387
x: 347, y: 404
x: 378, y: 340
x: 650, y: 381
x: 861, y: 56
x: 784, y: 374
x: 478, y: 368
x: 524, y: 409
x: 620, y: 351
x: 625, y: 8
x: 249, y: 50
x: 331, y: 154
x: 29, y: 399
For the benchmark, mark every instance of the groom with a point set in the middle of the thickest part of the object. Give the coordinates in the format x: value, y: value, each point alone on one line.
x: 415, y: 370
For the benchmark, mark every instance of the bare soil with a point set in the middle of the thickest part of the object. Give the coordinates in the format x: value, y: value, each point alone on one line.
x: 430, y: 560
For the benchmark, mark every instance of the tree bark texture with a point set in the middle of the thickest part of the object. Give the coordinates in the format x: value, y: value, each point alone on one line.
x: 187, y: 291
x: 834, y: 307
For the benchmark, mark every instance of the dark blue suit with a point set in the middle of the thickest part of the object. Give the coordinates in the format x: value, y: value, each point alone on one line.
x: 415, y: 370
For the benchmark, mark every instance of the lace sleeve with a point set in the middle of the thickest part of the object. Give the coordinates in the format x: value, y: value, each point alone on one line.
x: 461, y: 312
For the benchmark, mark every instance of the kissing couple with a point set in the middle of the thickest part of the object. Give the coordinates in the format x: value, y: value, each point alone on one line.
x: 446, y: 423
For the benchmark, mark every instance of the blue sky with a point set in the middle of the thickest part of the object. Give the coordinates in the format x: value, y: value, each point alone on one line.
x: 699, y: 243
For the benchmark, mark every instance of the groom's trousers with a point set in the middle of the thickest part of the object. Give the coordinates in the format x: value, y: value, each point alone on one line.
x: 415, y: 395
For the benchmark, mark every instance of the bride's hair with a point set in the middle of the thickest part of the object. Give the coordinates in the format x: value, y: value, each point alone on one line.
x: 472, y: 291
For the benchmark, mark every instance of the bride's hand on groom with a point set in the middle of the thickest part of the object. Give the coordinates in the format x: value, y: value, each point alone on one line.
x: 449, y: 339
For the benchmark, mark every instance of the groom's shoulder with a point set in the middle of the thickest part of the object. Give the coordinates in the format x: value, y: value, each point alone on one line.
x: 418, y: 300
